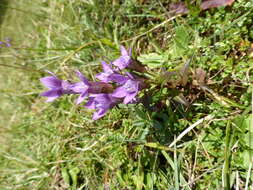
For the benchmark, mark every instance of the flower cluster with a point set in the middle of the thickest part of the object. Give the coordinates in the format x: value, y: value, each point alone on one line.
x: 5, y: 43
x: 114, y: 86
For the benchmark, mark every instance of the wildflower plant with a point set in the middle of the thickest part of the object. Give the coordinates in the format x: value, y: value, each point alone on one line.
x: 115, y: 86
x: 124, y: 79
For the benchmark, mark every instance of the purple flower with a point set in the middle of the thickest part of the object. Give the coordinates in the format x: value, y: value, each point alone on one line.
x: 57, y: 87
x: 107, y: 72
x: 6, y: 43
x: 128, y: 90
x: 101, y: 103
x: 85, y: 87
x: 124, y: 60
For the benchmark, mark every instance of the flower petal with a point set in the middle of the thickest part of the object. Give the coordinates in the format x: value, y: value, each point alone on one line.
x: 91, y: 103
x: 122, y: 62
x: 98, y: 114
x: 119, y: 92
x: 102, y: 100
x: 51, y: 99
x: 119, y: 63
x: 123, y: 51
x: 82, y: 77
x: 52, y: 93
x: 130, y: 75
x: 106, y: 67
x: 81, y: 97
x: 118, y: 78
x: 102, y: 77
x: 79, y: 87
x: 51, y: 82
x: 129, y: 98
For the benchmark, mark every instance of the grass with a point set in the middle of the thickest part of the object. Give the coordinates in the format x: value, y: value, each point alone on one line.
x: 58, y: 146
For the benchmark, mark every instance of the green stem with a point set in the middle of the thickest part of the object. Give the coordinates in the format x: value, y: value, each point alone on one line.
x: 227, y: 157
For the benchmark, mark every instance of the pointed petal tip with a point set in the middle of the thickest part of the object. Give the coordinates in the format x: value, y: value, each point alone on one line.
x: 81, y: 98
x: 129, y: 98
x: 51, y: 99
x: 123, y: 50
x: 51, y: 82
x: 99, y: 114
x: 120, y: 92
x: 82, y: 77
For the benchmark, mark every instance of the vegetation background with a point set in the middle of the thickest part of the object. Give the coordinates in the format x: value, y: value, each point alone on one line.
x: 58, y: 146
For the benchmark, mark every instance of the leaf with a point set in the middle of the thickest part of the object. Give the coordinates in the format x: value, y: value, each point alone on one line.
x: 141, y: 114
x: 158, y: 146
x: 153, y: 60
x: 244, y: 123
x: 74, y: 175
x: 150, y: 180
x: 248, y: 138
x: 138, y: 178
x: 65, y: 175
x: 143, y: 134
x: 181, y: 99
x: 181, y: 38
x: 247, y: 158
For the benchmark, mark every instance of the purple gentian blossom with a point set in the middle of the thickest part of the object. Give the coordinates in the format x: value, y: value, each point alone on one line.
x: 106, y: 74
x: 128, y: 90
x: 85, y: 87
x: 6, y: 43
x: 57, y: 87
x: 101, y: 103
x: 109, y: 74
x: 124, y: 60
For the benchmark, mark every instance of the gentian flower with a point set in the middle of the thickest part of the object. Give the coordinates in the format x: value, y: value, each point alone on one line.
x: 101, y: 103
x: 6, y: 43
x: 57, y: 87
x: 124, y: 60
x: 128, y: 90
x: 85, y: 87
x: 107, y: 72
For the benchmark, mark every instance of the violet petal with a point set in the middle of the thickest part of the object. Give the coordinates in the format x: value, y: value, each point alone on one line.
x: 52, y: 93
x: 51, y: 99
x: 91, y: 103
x: 79, y: 87
x: 98, y: 114
x: 120, y: 92
x: 82, y: 78
x: 123, y: 51
x: 51, y: 82
x: 118, y: 78
x: 82, y: 97
x: 129, y: 98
